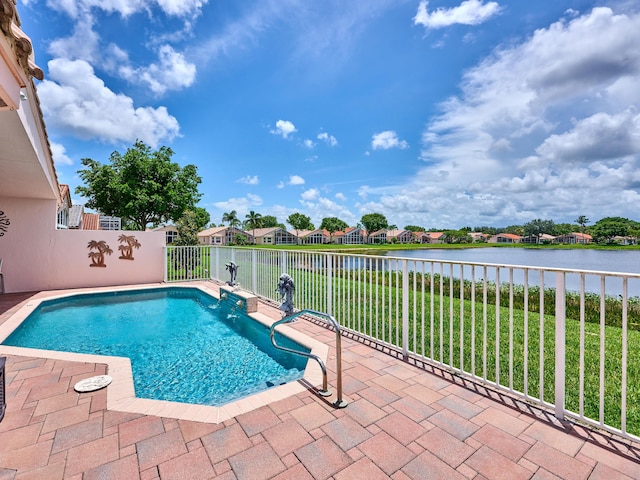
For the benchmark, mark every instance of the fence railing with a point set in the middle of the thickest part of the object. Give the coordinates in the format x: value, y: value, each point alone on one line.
x: 565, y: 339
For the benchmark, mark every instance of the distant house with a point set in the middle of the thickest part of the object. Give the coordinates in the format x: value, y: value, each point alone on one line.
x: 573, y: 238
x: 400, y: 236
x: 436, y: 237
x: 478, y: 236
x: 75, y: 217
x: 505, y: 238
x: 171, y: 232
x: 351, y: 236
x: 620, y: 240
x: 64, y: 207
x: 420, y: 237
x: 273, y: 236
x: 544, y: 238
x: 222, y: 236
x: 379, y: 236
x: 315, y: 237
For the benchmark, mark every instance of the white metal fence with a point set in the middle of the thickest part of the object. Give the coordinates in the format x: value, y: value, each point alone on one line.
x: 565, y: 339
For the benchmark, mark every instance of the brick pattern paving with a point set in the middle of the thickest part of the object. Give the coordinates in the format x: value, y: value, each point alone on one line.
x: 404, y: 421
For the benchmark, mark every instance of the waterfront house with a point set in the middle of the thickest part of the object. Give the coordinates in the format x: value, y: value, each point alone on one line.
x: 379, y: 236
x: 573, y: 238
x: 312, y: 237
x: 273, y: 236
x: 399, y: 236
x: 505, y: 238
x: 350, y: 236
x: 222, y: 236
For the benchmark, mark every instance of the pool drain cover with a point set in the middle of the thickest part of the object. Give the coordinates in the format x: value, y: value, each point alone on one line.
x: 92, y: 384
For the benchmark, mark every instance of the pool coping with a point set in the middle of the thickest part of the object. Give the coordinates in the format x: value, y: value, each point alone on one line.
x: 121, y: 392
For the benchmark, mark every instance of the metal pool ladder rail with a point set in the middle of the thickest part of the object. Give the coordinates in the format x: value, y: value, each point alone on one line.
x: 325, y: 392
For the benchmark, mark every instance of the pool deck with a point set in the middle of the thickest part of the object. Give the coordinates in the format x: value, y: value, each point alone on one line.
x: 404, y: 421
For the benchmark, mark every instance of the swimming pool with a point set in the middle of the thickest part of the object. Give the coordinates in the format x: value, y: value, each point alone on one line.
x: 184, y: 345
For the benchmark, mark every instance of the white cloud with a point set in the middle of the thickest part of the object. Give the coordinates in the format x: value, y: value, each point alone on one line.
x: 541, y: 129
x: 59, y: 153
x: 598, y: 137
x: 77, y: 102
x: 469, y: 12
x: 310, y: 194
x: 386, y: 140
x: 249, y: 180
x: 280, y: 185
x: 328, y: 139
x: 295, y: 180
x: 178, y: 8
x: 340, y: 196
x: 242, y: 205
x: 308, y: 143
x: 284, y: 128
x: 83, y: 44
x: 172, y: 72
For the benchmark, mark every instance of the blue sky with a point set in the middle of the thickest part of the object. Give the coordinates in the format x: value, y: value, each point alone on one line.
x: 441, y: 113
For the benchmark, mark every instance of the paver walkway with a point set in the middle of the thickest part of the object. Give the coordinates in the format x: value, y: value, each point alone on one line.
x: 404, y: 421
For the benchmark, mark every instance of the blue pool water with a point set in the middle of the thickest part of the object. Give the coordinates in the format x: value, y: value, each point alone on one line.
x: 184, y: 345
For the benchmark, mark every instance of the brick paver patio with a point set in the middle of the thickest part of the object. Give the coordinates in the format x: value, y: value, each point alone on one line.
x: 404, y: 421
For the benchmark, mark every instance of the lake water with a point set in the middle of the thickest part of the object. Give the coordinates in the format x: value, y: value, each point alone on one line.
x: 625, y: 261
x: 621, y: 261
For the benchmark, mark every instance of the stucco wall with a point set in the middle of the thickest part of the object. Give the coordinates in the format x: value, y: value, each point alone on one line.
x: 39, y: 257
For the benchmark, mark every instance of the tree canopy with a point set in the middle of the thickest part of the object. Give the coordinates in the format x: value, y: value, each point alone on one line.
x: 609, y: 227
x: 141, y: 187
x: 373, y: 222
x: 300, y: 221
x: 537, y: 227
x: 333, y: 224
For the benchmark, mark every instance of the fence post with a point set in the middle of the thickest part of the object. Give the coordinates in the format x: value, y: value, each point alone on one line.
x: 217, y: 250
x: 560, y: 352
x: 405, y: 309
x: 254, y: 271
x: 165, y: 252
x: 329, y: 284
x: 283, y: 262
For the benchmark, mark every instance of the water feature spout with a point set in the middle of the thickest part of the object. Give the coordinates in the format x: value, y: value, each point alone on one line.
x: 240, y: 304
x: 223, y: 296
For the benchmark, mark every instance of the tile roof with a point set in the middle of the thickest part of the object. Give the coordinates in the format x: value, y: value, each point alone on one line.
x: 91, y: 221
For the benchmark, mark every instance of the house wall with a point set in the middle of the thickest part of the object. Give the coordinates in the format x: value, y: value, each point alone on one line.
x: 36, y: 256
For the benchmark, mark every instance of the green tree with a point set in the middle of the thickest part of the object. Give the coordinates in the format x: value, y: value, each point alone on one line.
x: 253, y: 221
x: 332, y: 225
x: 299, y: 221
x: 269, y: 221
x: 582, y: 221
x: 537, y: 227
x: 231, y: 218
x: 141, y: 187
x: 609, y: 227
x: 202, y: 217
x: 415, y: 228
x: 373, y: 222
x: 188, y: 228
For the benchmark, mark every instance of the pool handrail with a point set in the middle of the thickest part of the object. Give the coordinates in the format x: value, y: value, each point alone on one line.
x: 339, y: 403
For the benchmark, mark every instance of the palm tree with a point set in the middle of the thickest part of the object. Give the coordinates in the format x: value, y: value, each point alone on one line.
x: 582, y: 221
x: 232, y: 220
x: 253, y: 221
